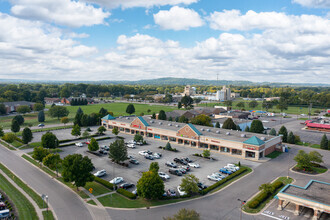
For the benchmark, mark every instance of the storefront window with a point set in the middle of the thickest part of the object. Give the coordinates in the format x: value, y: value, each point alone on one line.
x: 180, y: 141
x: 157, y: 136
x: 164, y: 138
x: 173, y: 139
x: 121, y: 129
x: 127, y: 130
x: 193, y: 143
x: 186, y: 142
x: 150, y: 135
x: 214, y: 147
x: 202, y: 145
x: 132, y: 131
x: 225, y: 149
x: 250, y: 154
x: 237, y: 152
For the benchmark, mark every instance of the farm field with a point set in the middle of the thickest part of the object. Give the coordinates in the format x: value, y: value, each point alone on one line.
x: 291, y: 109
x: 117, y: 108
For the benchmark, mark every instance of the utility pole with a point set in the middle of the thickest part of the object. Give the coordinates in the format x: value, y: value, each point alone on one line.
x: 242, y: 203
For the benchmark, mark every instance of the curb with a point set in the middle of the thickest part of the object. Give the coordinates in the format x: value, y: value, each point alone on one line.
x: 320, y: 174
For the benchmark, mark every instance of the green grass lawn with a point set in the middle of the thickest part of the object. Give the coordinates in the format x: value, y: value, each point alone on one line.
x: 17, y: 144
x: 291, y: 109
x: 117, y: 108
x: 284, y: 180
x: 98, y: 189
x: 22, y: 185
x: 24, y: 208
x: 91, y: 202
x: 7, y: 145
x: 274, y: 154
x: 48, y: 215
x: 317, y: 170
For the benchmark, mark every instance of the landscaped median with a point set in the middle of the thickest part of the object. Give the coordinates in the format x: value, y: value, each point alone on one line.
x: 125, y: 199
x: 258, y: 202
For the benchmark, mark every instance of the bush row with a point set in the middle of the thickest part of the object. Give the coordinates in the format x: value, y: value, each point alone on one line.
x: 104, y: 182
x: 171, y: 149
x: 219, y: 183
x: 66, y: 145
x: 80, y: 138
x: 262, y: 196
x: 126, y: 193
x: 103, y: 138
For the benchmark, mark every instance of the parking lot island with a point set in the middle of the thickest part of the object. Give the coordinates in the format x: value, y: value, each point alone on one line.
x: 239, y: 144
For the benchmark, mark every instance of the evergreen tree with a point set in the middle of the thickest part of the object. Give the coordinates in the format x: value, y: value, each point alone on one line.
x: 41, y: 116
x: 153, y: 115
x: 76, y: 130
x: 154, y: 167
x: 2, y: 133
x: 229, y: 124
x: 247, y: 129
x: 49, y: 140
x: 118, y: 151
x: 291, y: 138
x: 272, y: 132
x: 170, y: 118
x: 179, y: 105
x: 283, y: 132
x: 93, y: 145
x: 15, y: 126
x: 162, y: 115
x: 115, y: 131
x: 103, y: 112
x: 217, y: 125
x: 19, y: 119
x: 257, y: 127
x: 324, y: 142
x: 84, y: 120
x: 26, y: 135
x: 130, y: 109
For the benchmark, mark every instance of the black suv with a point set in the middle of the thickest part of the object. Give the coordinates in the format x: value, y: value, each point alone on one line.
x: 175, y: 172
x: 181, y: 161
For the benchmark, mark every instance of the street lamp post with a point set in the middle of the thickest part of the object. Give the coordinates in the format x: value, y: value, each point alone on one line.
x: 242, y: 203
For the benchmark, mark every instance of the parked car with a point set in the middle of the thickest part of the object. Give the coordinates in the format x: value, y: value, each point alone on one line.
x: 79, y: 144
x: 117, y: 180
x: 181, y: 192
x: 2, y: 205
x: 105, y: 147
x: 187, y: 160
x: 163, y: 175
x: 126, y: 185
x: 87, y: 142
x: 149, y: 152
x: 213, y: 178
x: 139, y: 143
x: 195, y: 165
x: 232, y: 169
x: 131, y: 142
x: 41, y: 125
x: 224, y: 170
x: 171, y: 164
x: 102, y: 151
x: 100, y: 173
x: 175, y: 172
x: 182, y: 170
x: 187, y: 168
x: 143, y: 153
x: 133, y: 161
x: 149, y: 157
x: 232, y: 165
x: 130, y: 157
x: 201, y: 186
x: 130, y: 146
x: 181, y: 161
x: 171, y: 192
x: 157, y: 155
x: 218, y: 175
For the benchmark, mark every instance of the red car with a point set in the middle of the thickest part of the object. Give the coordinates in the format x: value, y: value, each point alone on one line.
x: 87, y: 142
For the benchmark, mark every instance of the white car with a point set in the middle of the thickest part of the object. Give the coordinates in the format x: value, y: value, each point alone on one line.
x: 233, y: 166
x: 232, y: 169
x: 156, y: 155
x: 79, y: 144
x: 100, y: 173
x: 131, y: 142
x: 117, y: 180
x: 195, y: 165
x: 218, y: 175
x: 105, y: 147
x: 181, y: 192
x: 130, y: 146
x: 213, y: 178
x: 163, y: 175
x: 143, y: 153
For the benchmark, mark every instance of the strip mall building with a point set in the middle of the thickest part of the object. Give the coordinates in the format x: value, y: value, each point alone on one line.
x: 235, y: 143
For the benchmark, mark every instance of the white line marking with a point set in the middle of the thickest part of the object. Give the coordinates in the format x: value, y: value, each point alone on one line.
x: 271, y: 216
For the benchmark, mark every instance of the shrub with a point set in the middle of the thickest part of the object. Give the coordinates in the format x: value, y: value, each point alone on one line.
x: 253, y: 204
x: 9, y: 137
x: 104, y: 182
x: 126, y: 193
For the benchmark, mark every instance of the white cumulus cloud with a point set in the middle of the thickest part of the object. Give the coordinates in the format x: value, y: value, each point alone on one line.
x: 62, y: 12
x: 313, y: 3
x: 178, y: 18
x: 139, y: 3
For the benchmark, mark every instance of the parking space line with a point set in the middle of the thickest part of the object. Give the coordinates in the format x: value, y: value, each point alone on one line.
x: 270, y: 216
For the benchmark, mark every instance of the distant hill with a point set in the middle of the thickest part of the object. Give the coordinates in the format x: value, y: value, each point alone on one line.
x: 172, y: 81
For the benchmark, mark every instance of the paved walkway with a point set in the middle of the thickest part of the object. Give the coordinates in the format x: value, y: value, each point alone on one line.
x: 38, y: 210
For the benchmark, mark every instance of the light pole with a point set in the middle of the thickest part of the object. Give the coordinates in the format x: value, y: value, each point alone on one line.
x: 242, y: 203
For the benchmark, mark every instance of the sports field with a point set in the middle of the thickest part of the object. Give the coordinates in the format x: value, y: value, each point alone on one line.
x: 118, y: 108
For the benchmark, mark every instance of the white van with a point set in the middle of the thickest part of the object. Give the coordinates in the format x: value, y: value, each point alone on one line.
x: 4, y: 213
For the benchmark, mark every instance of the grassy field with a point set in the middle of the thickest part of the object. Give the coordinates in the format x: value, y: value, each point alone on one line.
x: 91, y: 202
x: 24, y: 208
x: 23, y: 186
x: 117, y: 108
x: 291, y: 109
x: 274, y: 154
x: 98, y: 189
x: 284, y: 180
x: 48, y: 215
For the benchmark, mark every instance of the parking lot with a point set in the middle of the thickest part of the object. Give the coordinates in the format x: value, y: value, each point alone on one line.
x: 134, y: 172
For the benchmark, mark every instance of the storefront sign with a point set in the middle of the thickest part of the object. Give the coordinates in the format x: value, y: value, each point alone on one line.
x: 149, y: 129
x: 215, y: 141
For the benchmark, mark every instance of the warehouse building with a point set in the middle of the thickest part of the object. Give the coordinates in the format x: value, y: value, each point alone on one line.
x: 234, y: 143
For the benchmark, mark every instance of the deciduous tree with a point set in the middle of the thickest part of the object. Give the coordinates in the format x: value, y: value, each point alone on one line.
x: 65, y: 120
x: 93, y: 145
x: 49, y: 140
x: 38, y: 107
x: 118, y: 151
x: 58, y: 112
x: 257, y: 127
x: 52, y: 161
x: 189, y: 184
x: 115, y: 131
x: 15, y: 126
x: 76, y: 130
x: 229, y: 124
x: 185, y: 214
x: 138, y: 138
x: 23, y: 109
x: 101, y: 130
x: 201, y: 120
x: 26, y: 135
x: 150, y: 185
x: 154, y: 167
x: 39, y: 153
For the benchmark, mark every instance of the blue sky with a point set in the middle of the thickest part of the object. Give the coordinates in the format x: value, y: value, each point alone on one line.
x: 255, y: 40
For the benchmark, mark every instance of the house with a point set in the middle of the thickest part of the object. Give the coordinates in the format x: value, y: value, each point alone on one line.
x: 12, y: 106
x: 50, y: 101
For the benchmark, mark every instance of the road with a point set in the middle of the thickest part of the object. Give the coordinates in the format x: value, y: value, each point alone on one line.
x: 224, y: 205
x: 65, y: 202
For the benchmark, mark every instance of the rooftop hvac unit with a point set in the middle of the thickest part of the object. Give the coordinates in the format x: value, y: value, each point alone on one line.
x: 243, y: 135
x: 263, y: 138
x: 208, y: 130
x: 218, y: 132
x: 169, y: 124
x: 120, y: 116
x: 151, y: 121
x: 160, y: 123
x: 177, y: 126
x: 127, y: 118
x: 228, y: 133
x: 202, y: 129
